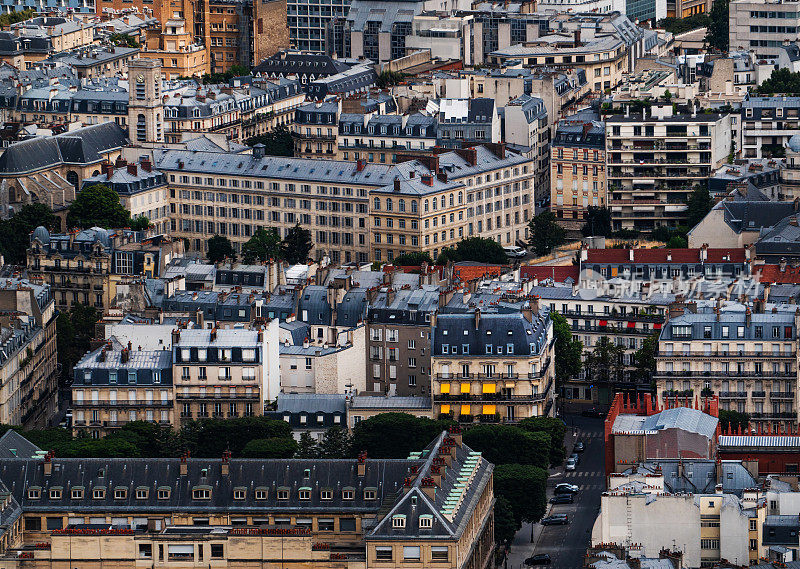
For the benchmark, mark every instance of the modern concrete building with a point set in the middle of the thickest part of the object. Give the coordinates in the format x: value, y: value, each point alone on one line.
x: 762, y: 27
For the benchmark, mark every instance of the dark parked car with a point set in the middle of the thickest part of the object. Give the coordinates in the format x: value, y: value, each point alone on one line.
x: 541, y: 559
x: 555, y: 520
x: 562, y: 499
x: 579, y: 447
x: 592, y: 412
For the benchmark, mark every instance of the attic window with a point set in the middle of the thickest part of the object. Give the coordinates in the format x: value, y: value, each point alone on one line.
x: 425, y: 521
x: 201, y: 493
x: 142, y: 492
x: 370, y: 493
x: 163, y: 493
x: 76, y: 493
x: 261, y: 493
x: 304, y: 493
x: 398, y: 521
x: 34, y: 493
x: 120, y: 493
x: 99, y: 493
x: 239, y: 493
x: 348, y: 494
x: 283, y: 493
x: 326, y: 494
x: 55, y: 493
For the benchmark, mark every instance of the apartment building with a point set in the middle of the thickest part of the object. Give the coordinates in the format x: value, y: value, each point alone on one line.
x: 492, y: 366
x: 398, y: 340
x: 225, y: 372
x: 762, y: 27
x: 118, y: 384
x: 655, y: 160
x: 748, y: 359
x: 527, y: 124
x: 578, y: 169
x: 355, y: 211
x: 465, y: 121
x: 315, y: 129
x: 381, y: 138
x: 768, y: 123
x: 85, y: 267
x: 28, y: 368
x: 64, y: 33
x: 247, y: 513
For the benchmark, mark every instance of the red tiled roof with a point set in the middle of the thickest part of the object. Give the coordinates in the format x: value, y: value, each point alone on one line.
x: 622, y: 256
x: 772, y: 274
x: 471, y: 272
x: 558, y: 273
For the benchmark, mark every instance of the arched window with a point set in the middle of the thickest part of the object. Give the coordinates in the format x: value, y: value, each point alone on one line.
x: 72, y: 178
x: 413, y: 206
x: 451, y: 200
x: 141, y: 128
x: 389, y: 206
x: 401, y: 205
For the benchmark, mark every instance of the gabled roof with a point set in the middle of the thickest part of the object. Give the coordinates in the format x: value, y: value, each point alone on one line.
x: 14, y: 445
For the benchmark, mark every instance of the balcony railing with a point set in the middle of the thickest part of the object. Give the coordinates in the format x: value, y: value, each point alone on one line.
x: 726, y: 354
x: 712, y: 374
x: 781, y: 395
x: 253, y: 396
x: 121, y: 403
x: 489, y: 397
x: 733, y: 394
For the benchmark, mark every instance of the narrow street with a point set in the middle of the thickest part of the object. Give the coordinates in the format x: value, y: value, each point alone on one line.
x: 566, y: 545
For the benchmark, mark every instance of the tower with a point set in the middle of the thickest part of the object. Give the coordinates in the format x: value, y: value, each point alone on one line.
x: 145, y: 108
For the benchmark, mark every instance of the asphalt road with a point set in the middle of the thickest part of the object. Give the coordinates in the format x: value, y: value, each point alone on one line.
x: 567, y: 544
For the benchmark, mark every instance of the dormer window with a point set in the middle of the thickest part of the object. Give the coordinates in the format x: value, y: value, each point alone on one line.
x: 283, y: 493
x: 77, y: 493
x: 348, y: 494
x: 261, y: 493
x: 304, y: 493
x: 120, y: 493
x: 163, y: 493
x: 425, y: 521
x: 98, y: 493
x: 201, y: 493
x: 398, y: 521
x: 55, y: 493
x: 370, y: 493
x: 326, y: 495
x: 142, y: 492
x: 34, y: 493
x: 239, y: 493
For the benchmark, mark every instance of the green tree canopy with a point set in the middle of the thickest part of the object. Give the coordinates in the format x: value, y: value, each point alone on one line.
x: 545, y: 233
x: 308, y: 447
x: 677, y: 242
x: 413, y: 259
x: 296, y: 245
x: 123, y: 40
x: 554, y: 428
x: 395, y: 435
x: 733, y: 420
x: 505, y: 526
x: 336, y: 443
x: 265, y: 244
x: 277, y: 142
x: 75, y: 330
x: 478, y: 249
x: 698, y: 205
x: 569, y: 352
x: 15, y: 232
x: 604, y: 362
x: 598, y: 222
x: 141, y: 223
x: 524, y: 487
x: 97, y: 206
x: 717, y: 32
x: 211, y: 437
x: 220, y: 248
x: 781, y: 82
x: 645, y: 358
x: 277, y: 447
x: 15, y: 17
x: 681, y: 25
x: 502, y: 444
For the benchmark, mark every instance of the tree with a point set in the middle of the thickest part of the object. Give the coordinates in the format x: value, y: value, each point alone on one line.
x: 554, y: 428
x: 15, y: 232
x: 277, y: 142
x: 15, y: 17
x: 123, y: 40
x: 412, y: 259
x: 265, y: 244
x: 645, y: 358
x: 217, y: 78
x: 279, y: 447
x: 677, y: 242
x: 503, y: 444
x: 335, y: 443
x: 605, y: 361
x: 717, y: 32
x: 681, y: 25
x: 150, y: 439
x: 505, y: 526
x: 389, y: 79
x: 75, y: 330
x: 546, y: 233
x: 296, y: 245
x: 395, y: 435
x: 698, y: 205
x: 478, y: 249
x: 598, y: 222
x: 97, y: 206
x: 782, y: 81
x: 308, y: 447
x: 733, y: 420
x: 212, y: 437
x: 141, y: 223
x: 220, y: 248
x: 524, y: 487
x: 569, y: 351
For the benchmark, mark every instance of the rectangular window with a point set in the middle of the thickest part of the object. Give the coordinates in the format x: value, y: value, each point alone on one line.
x: 411, y: 552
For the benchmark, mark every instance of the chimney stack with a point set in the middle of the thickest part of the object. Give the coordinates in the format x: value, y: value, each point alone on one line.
x: 362, y: 464
x: 184, y: 466
x: 226, y: 457
x: 48, y: 463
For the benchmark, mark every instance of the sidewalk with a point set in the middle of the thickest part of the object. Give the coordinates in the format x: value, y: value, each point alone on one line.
x: 524, y: 543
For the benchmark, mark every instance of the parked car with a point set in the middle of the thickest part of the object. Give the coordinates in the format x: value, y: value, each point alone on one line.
x: 571, y: 464
x: 541, y: 559
x: 579, y: 447
x: 565, y: 488
x: 562, y: 499
x: 592, y: 412
x: 555, y: 520
x: 514, y: 251
x: 576, y: 456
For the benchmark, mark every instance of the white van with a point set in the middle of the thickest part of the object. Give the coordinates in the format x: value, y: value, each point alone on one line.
x: 514, y: 251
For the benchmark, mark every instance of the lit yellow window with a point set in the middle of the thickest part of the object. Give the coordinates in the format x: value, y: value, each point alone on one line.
x: 445, y: 388
x: 445, y: 409
x: 489, y: 409
x: 465, y: 409
x: 465, y: 388
x: 489, y: 387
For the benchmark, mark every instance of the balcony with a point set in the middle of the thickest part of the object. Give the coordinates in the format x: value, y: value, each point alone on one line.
x: 781, y: 395
x: 758, y: 394
x: 121, y: 403
x: 712, y: 374
x: 489, y: 398
x: 211, y: 396
x: 774, y: 415
x: 733, y: 394
x: 728, y: 354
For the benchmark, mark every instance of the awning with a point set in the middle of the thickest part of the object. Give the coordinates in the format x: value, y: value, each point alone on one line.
x: 445, y: 409
x: 604, y: 323
x: 465, y: 387
x: 657, y: 326
x: 445, y: 388
x: 489, y: 409
x: 510, y: 384
x: 631, y: 324
x: 489, y: 388
x: 465, y: 409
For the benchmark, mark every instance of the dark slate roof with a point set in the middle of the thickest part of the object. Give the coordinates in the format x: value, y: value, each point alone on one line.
x: 299, y: 330
x: 782, y: 239
x: 14, y: 445
x: 753, y: 216
x: 82, y: 146
x: 287, y: 63
x: 389, y: 402
x: 314, y: 307
x: 385, y: 476
x: 496, y: 329
x: 353, y: 308
x: 480, y: 110
x: 311, y: 403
